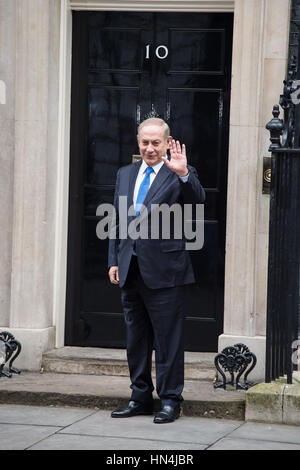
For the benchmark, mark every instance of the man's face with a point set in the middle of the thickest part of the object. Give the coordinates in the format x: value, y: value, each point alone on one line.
x: 152, y: 144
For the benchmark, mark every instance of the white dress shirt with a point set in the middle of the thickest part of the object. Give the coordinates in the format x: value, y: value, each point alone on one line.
x: 141, y: 176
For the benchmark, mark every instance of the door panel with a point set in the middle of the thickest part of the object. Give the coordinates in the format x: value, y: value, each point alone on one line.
x: 196, y: 50
x: 112, y: 118
x: 125, y: 66
x: 205, y: 106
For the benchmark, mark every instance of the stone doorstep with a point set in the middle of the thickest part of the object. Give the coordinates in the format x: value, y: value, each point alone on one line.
x: 111, y: 392
x: 113, y: 362
x: 275, y: 402
x: 98, y: 378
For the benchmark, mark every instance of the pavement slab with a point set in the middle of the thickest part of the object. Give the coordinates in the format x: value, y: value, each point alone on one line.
x: 247, y: 444
x: 66, y: 441
x: 38, y: 415
x: 21, y: 436
x: 192, y: 430
x: 268, y: 432
x: 63, y: 428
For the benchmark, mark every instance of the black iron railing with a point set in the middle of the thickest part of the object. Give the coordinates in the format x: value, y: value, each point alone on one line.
x: 283, y: 304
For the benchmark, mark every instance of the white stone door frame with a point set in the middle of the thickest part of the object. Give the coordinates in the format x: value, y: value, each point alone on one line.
x: 62, y: 194
x: 260, y: 40
x: 154, y: 5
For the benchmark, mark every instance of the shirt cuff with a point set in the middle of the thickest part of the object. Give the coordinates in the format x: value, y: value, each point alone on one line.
x: 184, y: 178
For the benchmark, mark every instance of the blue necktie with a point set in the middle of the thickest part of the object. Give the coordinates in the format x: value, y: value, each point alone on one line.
x: 144, y: 188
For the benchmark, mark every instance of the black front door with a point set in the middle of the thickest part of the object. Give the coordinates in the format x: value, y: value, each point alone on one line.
x: 125, y: 67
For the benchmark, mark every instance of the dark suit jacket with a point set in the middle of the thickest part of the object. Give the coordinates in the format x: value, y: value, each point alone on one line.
x: 162, y: 262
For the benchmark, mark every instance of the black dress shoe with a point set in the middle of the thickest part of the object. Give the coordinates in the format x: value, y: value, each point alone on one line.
x: 133, y: 408
x: 167, y: 414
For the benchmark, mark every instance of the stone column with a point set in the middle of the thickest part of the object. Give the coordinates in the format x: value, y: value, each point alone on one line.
x: 31, y: 313
x: 7, y: 133
x: 260, y: 44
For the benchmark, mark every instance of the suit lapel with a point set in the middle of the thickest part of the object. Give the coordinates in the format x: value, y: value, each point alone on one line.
x: 132, y: 179
x: 159, y: 180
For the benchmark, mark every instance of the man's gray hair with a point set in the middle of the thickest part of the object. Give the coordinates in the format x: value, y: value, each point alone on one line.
x: 155, y: 122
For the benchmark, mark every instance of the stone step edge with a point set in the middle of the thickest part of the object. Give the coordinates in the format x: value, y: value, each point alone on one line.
x: 231, y: 409
x: 78, y: 354
x: 104, y: 360
x: 112, y: 367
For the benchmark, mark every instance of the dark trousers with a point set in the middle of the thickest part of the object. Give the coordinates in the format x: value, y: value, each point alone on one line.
x: 154, y: 314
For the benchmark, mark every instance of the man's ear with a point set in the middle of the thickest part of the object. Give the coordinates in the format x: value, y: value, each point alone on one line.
x: 169, y: 140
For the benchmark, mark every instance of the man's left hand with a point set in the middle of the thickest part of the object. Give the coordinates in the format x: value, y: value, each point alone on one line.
x: 178, y: 161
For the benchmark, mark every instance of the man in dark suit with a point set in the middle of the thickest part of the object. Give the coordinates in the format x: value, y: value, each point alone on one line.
x: 152, y: 272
